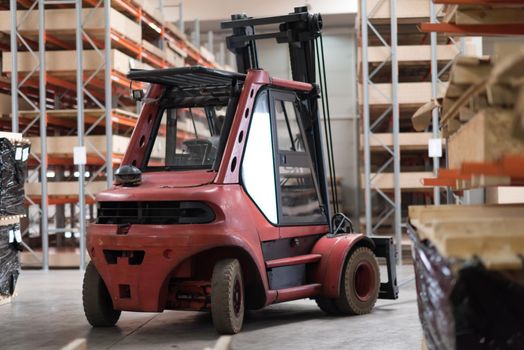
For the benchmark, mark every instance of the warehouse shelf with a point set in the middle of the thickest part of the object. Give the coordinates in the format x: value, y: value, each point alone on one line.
x: 138, y: 36
x: 480, y: 17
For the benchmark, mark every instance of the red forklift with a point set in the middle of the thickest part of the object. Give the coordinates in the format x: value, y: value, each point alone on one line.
x: 222, y: 202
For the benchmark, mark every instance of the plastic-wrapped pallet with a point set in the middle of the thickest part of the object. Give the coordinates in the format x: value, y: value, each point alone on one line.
x: 9, y: 262
x: 13, y: 170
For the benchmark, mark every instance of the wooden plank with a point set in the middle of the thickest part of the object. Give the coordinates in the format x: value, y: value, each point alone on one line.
x: 63, y: 22
x: 505, y: 195
x: 426, y: 214
x: 412, y: 53
x: 491, y: 233
x: 64, y: 62
x: 409, y: 181
x: 486, y: 137
x: 496, y: 241
x: 489, y: 15
x: 408, y: 93
x: 421, y: 119
x: 408, y: 141
x: 64, y: 188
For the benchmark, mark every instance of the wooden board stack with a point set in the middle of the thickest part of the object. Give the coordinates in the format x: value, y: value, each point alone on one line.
x: 482, y: 118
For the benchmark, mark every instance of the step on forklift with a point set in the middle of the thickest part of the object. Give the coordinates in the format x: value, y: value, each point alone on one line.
x: 226, y: 197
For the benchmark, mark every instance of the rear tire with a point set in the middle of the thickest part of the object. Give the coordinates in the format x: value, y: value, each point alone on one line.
x: 98, y: 306
x: 359, y: 287
x: 227, y: 297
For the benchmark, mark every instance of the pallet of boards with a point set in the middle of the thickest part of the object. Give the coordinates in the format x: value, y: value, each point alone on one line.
x: 14, y: 152
x: 469, y: 275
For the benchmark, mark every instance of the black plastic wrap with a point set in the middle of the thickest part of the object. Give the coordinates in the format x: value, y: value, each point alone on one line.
x: 464, y: 306
x: 12, y: 177
x: 9, y: 262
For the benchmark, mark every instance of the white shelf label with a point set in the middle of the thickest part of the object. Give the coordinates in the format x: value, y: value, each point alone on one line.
x: 79, y: 155
x: 435, y: 148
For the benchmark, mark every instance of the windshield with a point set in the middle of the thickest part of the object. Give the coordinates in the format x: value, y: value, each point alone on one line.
x: 188, y: 138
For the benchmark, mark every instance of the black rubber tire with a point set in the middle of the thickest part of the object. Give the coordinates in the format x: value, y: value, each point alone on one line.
x: 349, y: 303
x: 328, y: 306
x: 98, y: 306
x: 227, y: 305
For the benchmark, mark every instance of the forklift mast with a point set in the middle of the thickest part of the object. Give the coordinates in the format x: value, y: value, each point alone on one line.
x: 299, y: 30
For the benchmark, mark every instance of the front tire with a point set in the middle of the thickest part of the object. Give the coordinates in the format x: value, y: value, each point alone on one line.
x: 98, y: 306
x: 227, y: 297
x: 359, y: 287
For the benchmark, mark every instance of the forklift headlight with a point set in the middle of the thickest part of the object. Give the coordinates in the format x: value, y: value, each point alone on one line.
x: 128, y: 175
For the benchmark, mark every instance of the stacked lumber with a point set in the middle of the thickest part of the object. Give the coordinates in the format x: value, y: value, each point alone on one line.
x: 483, y: 120
x: 468, y: 264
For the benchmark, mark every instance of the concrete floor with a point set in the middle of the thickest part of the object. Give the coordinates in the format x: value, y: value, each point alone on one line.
x: 47, y: 314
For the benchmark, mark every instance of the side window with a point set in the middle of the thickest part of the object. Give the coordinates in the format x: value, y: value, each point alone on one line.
x: 299, y: 198
x: 258, y: 169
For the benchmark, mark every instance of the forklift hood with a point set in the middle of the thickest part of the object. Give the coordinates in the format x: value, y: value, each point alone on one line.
x: 157, y: 184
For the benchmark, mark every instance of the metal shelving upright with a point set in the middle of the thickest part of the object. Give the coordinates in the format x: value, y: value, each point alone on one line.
x: 393, y: 207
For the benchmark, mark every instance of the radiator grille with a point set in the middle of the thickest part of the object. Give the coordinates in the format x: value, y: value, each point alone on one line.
x: 154, y: 213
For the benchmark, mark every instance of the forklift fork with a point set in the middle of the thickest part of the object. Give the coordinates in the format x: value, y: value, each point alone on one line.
x: 385, y: 248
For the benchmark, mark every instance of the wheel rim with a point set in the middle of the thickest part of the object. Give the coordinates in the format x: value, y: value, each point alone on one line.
x: 364, y: 281
x: 237, y: 297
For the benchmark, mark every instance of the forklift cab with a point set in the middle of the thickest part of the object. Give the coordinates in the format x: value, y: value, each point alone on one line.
x: 221, y: 204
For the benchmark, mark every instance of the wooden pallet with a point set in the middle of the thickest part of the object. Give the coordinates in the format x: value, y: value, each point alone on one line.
x: 492, y: 234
